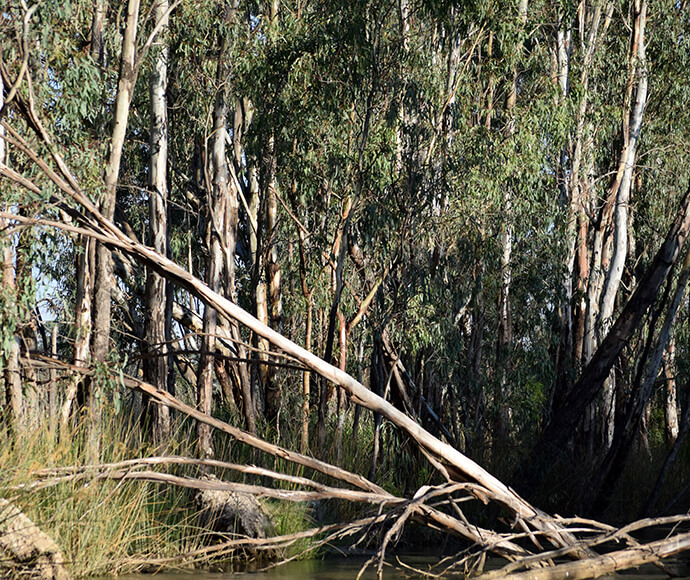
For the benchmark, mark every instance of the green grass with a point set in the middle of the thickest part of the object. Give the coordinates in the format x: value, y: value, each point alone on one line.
x: 107, y: 527
x: 103, y: 527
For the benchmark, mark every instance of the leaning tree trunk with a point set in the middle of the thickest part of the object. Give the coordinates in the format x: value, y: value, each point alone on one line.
x: 566, y: 416
x: 609, y: 254
x: 611, y: 469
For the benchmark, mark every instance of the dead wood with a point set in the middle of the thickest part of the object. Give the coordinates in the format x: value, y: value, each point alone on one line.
x: 97, y: 226
x: 25, y: 550
x: 455, y: 462
x: 86, y: 471
x: 321, y: 536
x: 424, y: 507
x: 604, y: 564
x: 232, y: 487
x: 165, y: 398
x: 233, y: 512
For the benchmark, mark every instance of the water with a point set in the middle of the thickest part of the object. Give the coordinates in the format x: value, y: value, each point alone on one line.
x: 348, y: 568
x: 326, y: 569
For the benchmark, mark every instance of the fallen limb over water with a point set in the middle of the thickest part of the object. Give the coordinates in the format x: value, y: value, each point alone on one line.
x: 438, y: 507
x: 429, y: 506
x: 605, y: 564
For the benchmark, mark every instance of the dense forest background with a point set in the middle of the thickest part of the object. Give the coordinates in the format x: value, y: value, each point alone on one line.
x: 477, y: 209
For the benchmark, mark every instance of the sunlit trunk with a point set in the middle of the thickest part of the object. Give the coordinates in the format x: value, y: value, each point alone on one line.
x: 10, y: 361
x: 103, y: 279
x: 272, y: 307
x: 671, y: 406
x: 158, y: 313
x: 621, y: 193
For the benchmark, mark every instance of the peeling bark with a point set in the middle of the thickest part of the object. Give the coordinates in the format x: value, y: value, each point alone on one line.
x: 158, y: 312
x: 26, y: 551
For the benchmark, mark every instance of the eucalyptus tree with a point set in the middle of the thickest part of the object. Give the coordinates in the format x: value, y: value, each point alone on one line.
x: 12, y: 399
x: 158, y: 307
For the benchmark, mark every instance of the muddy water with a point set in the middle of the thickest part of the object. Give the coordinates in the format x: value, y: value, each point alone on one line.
x: 348, y: 568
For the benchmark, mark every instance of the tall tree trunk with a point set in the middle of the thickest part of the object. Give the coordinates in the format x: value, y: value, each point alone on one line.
x: 85, y: 256
x: 306, y: 376
x: 274, y: 306
x: 610, y: 253
x: 342, y: 399
x: 221, y: 240
x: 10, y: 360
x: 258, y: 283
x: 505, y: 324
x: 565, y: 417
x: 158, y: 312
x: 104, y: 270
x: 619, y: 254
x: 104, y: 265
x: 216, y: 261
x: 86, y: 263
x: 239, y: 371
x: 340, y: 254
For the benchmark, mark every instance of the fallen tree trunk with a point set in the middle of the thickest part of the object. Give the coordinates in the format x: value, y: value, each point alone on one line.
x: 167, y: 399
x: 604, y: 564
x: 448, y: 460
x: 423, y: 507
x: 475, y: 535
x: 105, y: 231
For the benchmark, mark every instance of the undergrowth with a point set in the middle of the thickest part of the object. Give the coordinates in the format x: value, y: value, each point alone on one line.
x: 106, y: 527
x: 102, y: 527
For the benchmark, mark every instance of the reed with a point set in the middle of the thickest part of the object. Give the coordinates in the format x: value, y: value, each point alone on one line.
x: 103, y: 527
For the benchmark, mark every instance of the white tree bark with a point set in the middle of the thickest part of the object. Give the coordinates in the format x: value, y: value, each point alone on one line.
x: 125, y: 89
x: 10, y: 364
x: 156, y: 331
x: 619, y: 251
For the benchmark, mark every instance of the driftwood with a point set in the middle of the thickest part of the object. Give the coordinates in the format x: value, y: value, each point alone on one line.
x: 605, y: 564
x: 25, y: 550
x: 94, y: 224
x: 424, y: 507
x: 443, y: 456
